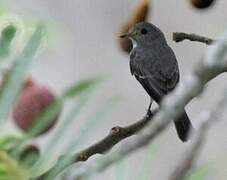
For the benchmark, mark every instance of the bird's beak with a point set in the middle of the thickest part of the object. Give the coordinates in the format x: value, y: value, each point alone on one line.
x: 128, y: 35
x: 124, y: 35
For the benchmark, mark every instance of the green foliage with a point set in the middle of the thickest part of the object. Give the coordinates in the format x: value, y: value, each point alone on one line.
x: 14, y: 78
x: 15, y: 161
x: 80, y: 87
x: 8, y: 33
x: 5, y: 41
x: 10, y: 169
x: 8, y: 142
x: 29, y: 156
x: 66, y: 121
x: 145, y: 166
x: 55, y: 107
x: 88, y: 127
x: 121, y: 170
x: 91, y: 124
x: 200, y: 173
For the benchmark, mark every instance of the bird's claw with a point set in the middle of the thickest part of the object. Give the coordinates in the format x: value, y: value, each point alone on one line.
x: 148, y: 113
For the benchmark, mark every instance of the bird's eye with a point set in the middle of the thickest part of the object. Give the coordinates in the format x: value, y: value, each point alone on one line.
x: 143, y: 31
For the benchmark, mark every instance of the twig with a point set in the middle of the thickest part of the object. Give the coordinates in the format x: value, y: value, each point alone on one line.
x: 116, y: 135
x: 180, y: 36
x: 181, y: 170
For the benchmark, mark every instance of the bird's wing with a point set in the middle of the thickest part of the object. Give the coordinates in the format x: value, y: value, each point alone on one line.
x: 173, y: 79
x: 155, y: 82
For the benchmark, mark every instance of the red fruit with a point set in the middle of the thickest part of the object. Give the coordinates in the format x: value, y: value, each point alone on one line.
x: 31, y: 102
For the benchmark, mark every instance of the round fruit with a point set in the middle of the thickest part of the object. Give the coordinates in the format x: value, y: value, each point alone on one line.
x: 32, y: 101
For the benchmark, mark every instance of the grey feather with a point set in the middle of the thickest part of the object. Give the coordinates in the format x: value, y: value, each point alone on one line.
x: 154, y: 65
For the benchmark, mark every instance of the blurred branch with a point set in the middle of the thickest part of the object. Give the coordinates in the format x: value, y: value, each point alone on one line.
x: 186, y: 164
x: 208, y: 68
x: 181, y: 170
x: 180, y: 36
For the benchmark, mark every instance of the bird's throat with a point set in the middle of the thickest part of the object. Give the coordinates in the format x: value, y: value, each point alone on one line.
x: 134, y: 43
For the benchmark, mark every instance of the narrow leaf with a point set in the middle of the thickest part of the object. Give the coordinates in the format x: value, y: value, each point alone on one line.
x: 15, y: 76
x: 50, y: 112
x: 91, y: 124
x: 67, y: 158
x: 44, y: 119
x: 6, y: 37
x: 80, y: 87
x: 146, y: 164
x: 200, y: 173
x: 59, y: 134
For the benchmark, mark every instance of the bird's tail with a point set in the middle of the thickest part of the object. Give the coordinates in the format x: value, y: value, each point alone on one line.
x: 183, y: 126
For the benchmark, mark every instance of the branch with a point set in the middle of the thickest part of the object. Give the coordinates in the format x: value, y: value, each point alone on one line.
x: 180, y: 36
x: 115, y: 135
x: 181, y: 170
x: 212, y: 65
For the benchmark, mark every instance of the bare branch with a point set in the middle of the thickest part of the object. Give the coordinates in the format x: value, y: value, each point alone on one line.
x: 181, y: 170
x: 180, y: 36
x: 212, y: 65
x: 115, y: 135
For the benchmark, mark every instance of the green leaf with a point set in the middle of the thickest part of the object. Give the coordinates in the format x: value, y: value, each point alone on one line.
x: 7, y: 35
x: 29, y: 156
x: 9, y: 142
x: 11, y: 168
x: 5, y: 177
x: 14, y: 79
x: 84, y: 89
x: 200, y: 173
x: 91, y: 124
x: 80, y: 87
x: 3, y: 168
x: 50, y: 112
x: 146, y: 168
x: 59, y: 134
x: 121, y: 170
x: 45, y: 118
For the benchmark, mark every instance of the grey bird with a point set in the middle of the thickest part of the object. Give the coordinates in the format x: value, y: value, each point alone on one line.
x: 154, y: 65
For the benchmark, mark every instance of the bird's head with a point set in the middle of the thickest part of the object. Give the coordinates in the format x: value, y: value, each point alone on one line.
x: 144, y: 32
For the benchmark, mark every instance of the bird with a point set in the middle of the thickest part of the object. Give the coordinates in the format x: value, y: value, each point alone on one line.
x: 154, y: 64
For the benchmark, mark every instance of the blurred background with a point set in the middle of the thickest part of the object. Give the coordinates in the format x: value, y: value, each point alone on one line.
x: 85, y: 44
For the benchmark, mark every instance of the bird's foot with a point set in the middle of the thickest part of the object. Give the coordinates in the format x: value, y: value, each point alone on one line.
x: 149, y: 113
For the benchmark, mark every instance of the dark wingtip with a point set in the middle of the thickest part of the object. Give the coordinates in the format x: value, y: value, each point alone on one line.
x: 184, y: 127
